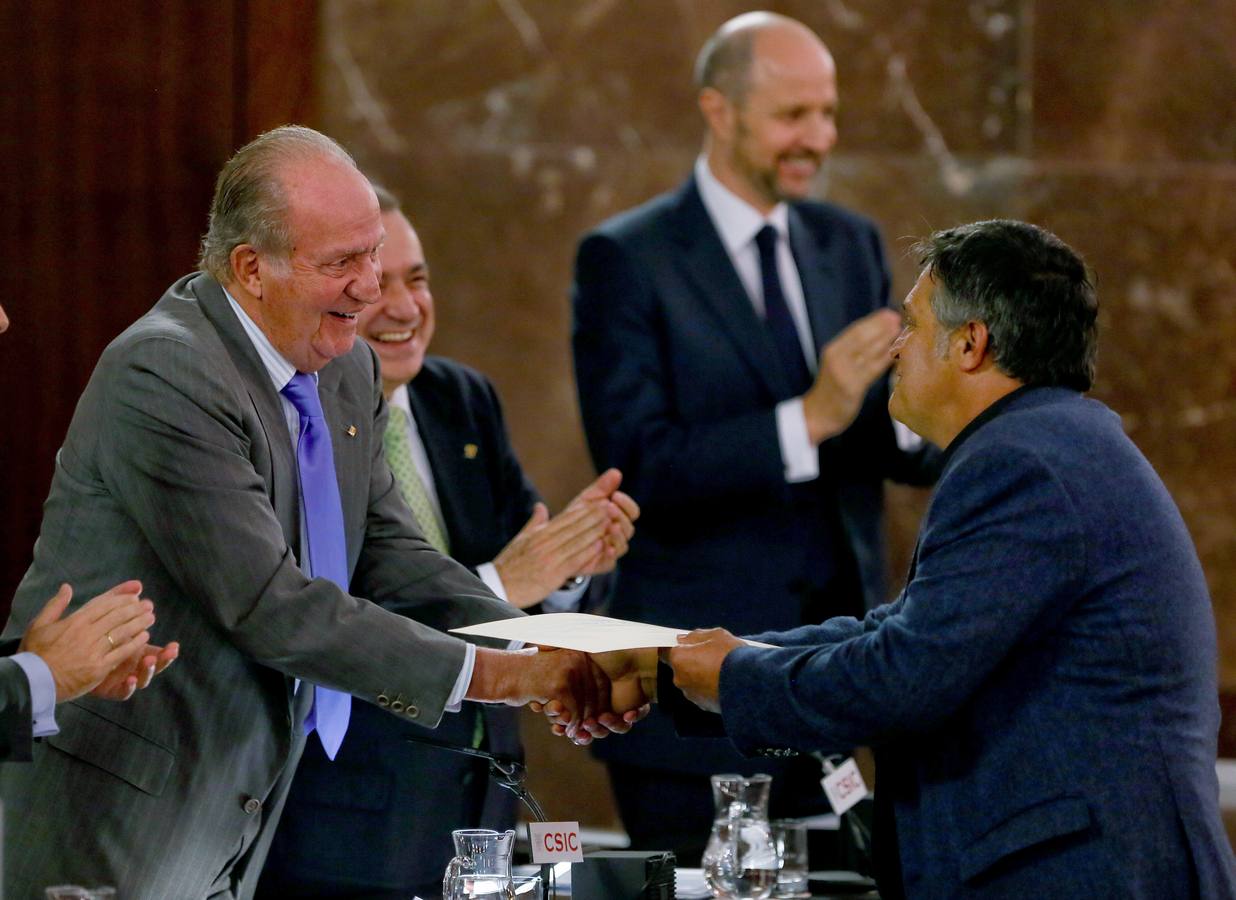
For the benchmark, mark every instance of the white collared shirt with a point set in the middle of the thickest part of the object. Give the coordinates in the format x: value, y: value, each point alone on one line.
x: 738, y: 222
x: 281, y: 372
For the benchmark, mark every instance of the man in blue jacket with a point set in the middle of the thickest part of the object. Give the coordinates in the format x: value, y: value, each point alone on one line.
x: 1041, y: 696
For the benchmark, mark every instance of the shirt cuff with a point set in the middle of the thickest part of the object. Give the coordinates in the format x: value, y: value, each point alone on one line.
x: 799, y: 456
x: 568, y: 600
x: 455, y: 700
x: 42, y: 693
x: 488, y: 573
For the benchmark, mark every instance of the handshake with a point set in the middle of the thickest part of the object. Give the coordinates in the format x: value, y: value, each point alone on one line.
x: 584, y: 695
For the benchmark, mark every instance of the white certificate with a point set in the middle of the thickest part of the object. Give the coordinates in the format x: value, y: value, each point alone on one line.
x: 577, y: 631
x: 580, y: 631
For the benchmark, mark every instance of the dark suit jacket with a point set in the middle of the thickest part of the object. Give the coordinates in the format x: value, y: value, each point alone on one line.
x: 15, y: 722
x: 381, y: 815
x: 178, y: 469
x: 1042, y: 696
x: 678, y: 382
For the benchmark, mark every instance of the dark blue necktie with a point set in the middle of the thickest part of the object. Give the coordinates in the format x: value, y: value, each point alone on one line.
x: 777, y: 314
x: 328, y: 550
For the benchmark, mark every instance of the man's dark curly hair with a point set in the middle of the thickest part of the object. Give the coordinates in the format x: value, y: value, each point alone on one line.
x: 1028, y: 287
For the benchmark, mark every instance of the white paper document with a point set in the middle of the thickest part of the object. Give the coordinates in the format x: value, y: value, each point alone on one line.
x: 577, y: 631
x: 580, y: 631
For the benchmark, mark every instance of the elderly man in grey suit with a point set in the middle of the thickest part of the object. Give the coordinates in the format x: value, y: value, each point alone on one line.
x: 228, y: 451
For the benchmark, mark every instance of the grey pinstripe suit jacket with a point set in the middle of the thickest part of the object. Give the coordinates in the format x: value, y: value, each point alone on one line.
x: 177, y: 469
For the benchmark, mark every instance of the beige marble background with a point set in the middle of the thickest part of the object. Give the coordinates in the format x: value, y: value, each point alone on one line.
x: 511, y: 126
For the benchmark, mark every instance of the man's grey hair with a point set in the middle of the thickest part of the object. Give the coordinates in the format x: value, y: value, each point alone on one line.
x: 1032, y: 291
x: 250, y: 204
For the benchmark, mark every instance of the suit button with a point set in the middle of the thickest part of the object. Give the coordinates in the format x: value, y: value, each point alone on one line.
x: 383, y: 700
x: 412, y: 711
x: 397, y: 704
x: 252, y: 805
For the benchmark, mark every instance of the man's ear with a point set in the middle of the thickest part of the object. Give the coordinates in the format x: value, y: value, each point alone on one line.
x: 718, y: 112
x: 971, y: 342
x: 245, y: 270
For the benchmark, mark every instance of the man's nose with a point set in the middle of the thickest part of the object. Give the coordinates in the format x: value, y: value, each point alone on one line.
x: 367, y: 288
x: 894, y: 351
x: 821, y: 133
x: 398, y: 302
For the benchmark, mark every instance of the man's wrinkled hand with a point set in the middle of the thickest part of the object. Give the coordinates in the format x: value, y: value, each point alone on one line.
x: 696, y: 662
x: 565, y: 684
x: 623, y: 511
x: 81, y: 649
x: 136, y: 673
x: 632, y: 675
x: 547, y: 551
x: 849, y: 364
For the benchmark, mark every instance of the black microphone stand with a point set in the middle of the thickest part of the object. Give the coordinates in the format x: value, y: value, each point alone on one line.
x: 507, y: 772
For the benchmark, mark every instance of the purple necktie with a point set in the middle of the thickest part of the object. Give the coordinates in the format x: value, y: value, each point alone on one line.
x: 328, y: 549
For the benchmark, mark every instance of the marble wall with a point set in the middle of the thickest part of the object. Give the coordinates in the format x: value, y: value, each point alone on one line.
x: 511, y: 126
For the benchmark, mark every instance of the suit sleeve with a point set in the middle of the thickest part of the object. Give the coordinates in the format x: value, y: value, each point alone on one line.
x: 626, y: 385
x: 832, y: 631
x: 176, y: 457
x: 16, y: 723
x: 1001, y: 558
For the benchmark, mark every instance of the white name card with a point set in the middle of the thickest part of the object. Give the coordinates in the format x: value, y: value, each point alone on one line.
x: 844, y: 786
x: 555, y: 842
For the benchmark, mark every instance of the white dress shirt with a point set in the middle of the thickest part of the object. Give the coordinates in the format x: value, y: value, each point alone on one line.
x: 738, y: 222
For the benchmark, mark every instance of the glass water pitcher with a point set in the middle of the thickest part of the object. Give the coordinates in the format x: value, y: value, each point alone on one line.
x: 481, y: 869
x: 740, y: 861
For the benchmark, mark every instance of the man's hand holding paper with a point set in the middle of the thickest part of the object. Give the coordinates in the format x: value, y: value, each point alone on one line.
x: 623, y: 655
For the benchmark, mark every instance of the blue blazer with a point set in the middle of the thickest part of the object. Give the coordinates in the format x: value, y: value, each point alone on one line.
x: 380, y: 816
x: 678, y: 382
x: 1042, y: 695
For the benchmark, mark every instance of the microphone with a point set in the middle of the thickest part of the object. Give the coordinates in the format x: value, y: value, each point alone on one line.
x: 506, y: 771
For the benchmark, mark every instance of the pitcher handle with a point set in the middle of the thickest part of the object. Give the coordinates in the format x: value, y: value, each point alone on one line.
x: 459, y: 865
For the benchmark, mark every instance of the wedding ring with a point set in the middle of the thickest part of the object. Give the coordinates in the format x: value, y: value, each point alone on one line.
x: 108, y: 635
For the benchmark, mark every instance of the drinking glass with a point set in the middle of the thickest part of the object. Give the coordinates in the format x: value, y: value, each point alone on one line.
x: 790, y: 837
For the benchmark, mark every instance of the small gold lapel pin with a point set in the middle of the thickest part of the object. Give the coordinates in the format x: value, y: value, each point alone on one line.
x: 351, y: 429
x: 470, y: 451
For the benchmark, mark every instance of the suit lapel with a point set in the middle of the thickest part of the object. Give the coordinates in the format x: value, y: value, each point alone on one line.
x: 441, y: 434
x: 284, y: 494
x: 707, y: 264
x: 819, y: 280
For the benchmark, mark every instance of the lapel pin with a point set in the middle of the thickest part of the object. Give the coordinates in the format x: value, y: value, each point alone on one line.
x: 470, y: 451
x: 351, y: 429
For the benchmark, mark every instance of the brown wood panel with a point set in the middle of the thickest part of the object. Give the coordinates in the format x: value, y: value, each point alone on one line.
x: 114, y: 122
x: 1227, y: 730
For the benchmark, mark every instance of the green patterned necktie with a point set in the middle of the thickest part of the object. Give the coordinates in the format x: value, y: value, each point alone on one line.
x: 399, y: 457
